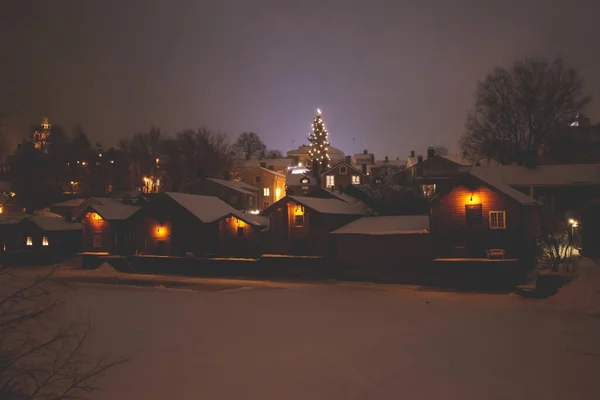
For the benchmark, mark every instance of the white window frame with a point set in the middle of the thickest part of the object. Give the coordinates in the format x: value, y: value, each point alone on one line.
x: 266, y: 191
x: 500, y: 215
x: 343, y: 170
x: 98, y: 239
x: 329, y: 180
x: 356, y: 179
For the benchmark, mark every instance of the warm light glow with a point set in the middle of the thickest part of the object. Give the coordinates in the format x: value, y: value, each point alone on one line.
x: 29, y: 241
x: 299, y: 210
x: 473, y: 198
x: 319, y: 111
x: 255, y: 212
x: 157, y: 160
x: 84, y: 163
x: 572, y: 221
x: 1, y: 209
x: 161, y: 231
x: 277, y: 194
x: 44, y: 241
x: 575, y: 224
x: 96, y: 217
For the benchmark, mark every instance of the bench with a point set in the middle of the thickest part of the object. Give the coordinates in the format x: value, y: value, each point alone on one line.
x: 495, y: 253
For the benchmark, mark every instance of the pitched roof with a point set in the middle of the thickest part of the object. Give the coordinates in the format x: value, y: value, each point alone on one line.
x: 114, y: 211
x: 296, y: 180
x: 205, y: 208
x: 351, y: 200
x: 233, y: 185
x: 340, y: 163
x: 391, y: 225
x: 329, y: 206
x: 69, y: 203
x: 12, y: 219
x: 48, y: 223
x: 494, y: 180
x: 209, y: 208
x: 545, y: 175
x: 273, y: 172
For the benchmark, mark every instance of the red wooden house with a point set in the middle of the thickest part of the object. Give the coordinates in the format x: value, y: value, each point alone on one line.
x: 341, y: 175
x: 480, y: 215
x: 301, y: 225
x: 181, y: 223
x: 107, y: 227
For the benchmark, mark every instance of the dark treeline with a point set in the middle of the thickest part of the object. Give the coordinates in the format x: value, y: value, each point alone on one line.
x: 70, y: 163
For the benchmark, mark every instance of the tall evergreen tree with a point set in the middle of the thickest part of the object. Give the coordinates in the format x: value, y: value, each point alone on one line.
x: 319, y: 145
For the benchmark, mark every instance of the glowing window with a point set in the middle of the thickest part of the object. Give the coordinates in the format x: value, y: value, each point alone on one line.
x: 330, y: 181
x: 355, y: 180
x: 29, y: 241
x: 266, y: 191
x: 45, y: 241
x: 1, y: 209
x: 497, y: 220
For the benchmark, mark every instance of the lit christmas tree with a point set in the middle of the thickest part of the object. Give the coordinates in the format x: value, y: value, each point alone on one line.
x: 319, y: 146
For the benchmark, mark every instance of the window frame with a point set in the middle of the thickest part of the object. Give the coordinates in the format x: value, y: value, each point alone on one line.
x: 241, y: 229
x: 497, y: 213
x: 343, y: 170
x: 98, y: 239
x: 327, y: 179
x: 471, y: 211
x: 296, y: 225
x: 356, y: 179
x: 266, y: 191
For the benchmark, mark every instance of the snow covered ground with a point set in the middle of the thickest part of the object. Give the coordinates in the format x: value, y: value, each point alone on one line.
x: 337, y: 341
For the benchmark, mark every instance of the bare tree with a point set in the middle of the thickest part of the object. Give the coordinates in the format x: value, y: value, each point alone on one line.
x: 270, y: 154
x: 441, y: 151
x: 517, y: 110
x: 40, y: 358
x: 250, y: 144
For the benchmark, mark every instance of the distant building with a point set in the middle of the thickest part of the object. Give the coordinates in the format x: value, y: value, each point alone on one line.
x: 40, y: 136
x: 341, y: 175
x: 237, y: 194
x: 271, y: 184
x: 302, y: 156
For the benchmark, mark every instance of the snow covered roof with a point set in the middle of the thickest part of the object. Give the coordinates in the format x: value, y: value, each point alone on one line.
x: 296, y: 180
x: 342, y: 163
x: 205, y: 208
x: 545, y: 175
x: 234, y: 185
x: 48, y: 223
x: 491, y: 177
x: 276, y: 162
x: 390, y: 225
x: 12, y: 219
x: 352, y: 200
x: 69, y: 203
x: 273, y: 172
x: 114, y: 211
x: 329, y: 206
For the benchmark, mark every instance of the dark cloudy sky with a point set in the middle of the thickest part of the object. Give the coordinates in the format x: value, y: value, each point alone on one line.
x: 395, y: 75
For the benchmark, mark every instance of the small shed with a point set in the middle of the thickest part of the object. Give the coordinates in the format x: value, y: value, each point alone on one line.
x: 373, y: 244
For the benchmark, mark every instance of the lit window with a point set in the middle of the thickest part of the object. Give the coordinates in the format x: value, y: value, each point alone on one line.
x: 304, y: 181
x: 97, y: 240
x: 1, y: 209
x: 428, y: 190
x: 257, y: 179
x: 29, y: 241
x: 299, y: 220
x: 355, y: 180
x: 343, y: 170
x: 240, y: 231
x: 330, y: 181
x: 277, y: 194
x: 266, y: 191
x: 45, y: 241
x: 497, y: 220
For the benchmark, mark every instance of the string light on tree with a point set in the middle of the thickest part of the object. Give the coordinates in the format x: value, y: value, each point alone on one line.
x: 319, y: 145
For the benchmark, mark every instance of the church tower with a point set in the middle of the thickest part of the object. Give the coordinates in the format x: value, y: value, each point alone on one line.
x: 41, y: 135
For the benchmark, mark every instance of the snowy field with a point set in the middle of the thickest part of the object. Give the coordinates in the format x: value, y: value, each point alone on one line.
x: 337, y: 341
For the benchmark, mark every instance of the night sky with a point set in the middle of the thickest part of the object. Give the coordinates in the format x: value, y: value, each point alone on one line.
x: 395, y: 75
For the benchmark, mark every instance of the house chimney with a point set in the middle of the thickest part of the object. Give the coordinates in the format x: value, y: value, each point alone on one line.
x: 397, y: 158
x: 412, y: 153
x: 430, y: 152
x: 365, y: 152
x: 419, y: 159
x: 349, y: 160
x: 226, y: 175
x: 386, y: 158
x: 364, y: 169
x: 264, y: 165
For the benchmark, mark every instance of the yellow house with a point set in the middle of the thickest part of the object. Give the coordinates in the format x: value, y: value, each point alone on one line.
x: 271, y: 184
